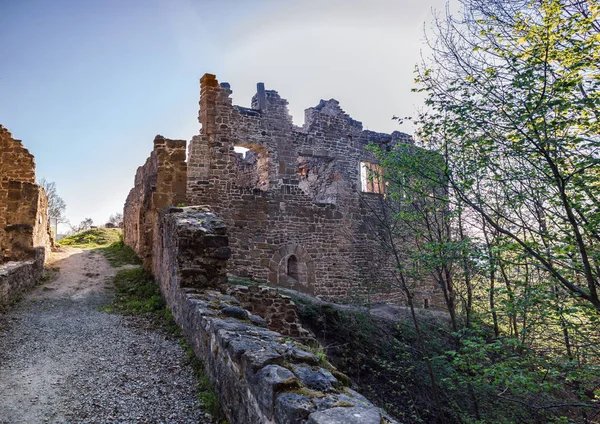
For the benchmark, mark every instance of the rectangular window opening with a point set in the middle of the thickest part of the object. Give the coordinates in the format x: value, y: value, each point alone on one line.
x: 371, y: 178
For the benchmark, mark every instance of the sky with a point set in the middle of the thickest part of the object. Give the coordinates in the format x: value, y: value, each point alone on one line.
x: 87, y: 85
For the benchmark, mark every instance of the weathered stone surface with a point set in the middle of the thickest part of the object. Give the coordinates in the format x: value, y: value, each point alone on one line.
x: 316, y: 378
x: 259, y: 321
x: 24, y: 226
x: 180, y: 253
x: 292, y: 408
x: 16, y: 163
x: 159, y: 183
x: 256, y: 373
x: 268, y: 382
x: 18, y: 277
x: 234, y: 312
x: 294, y: 202
x: 278, y: 310
x: 346, y: 415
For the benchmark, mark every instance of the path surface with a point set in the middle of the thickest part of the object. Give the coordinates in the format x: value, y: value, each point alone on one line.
x: 63, y: 360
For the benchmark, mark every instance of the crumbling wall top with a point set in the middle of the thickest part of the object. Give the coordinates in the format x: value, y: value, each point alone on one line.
x: 268, y: 105
x: 16, y: 163
x: 326, y: 110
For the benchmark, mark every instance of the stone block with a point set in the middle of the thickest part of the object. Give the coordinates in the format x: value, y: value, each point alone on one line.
x: 346, y: 415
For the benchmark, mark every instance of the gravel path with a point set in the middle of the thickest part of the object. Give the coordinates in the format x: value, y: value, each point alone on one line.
x: 62, y: 360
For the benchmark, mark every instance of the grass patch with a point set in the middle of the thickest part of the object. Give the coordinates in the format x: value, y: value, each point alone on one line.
x: 382, y: 357
x: 206, y: 393
x: 50, y: 273
x: 90, y: 239
x: 119, y: 254
x: 136, y: 293
x: 241, y: 281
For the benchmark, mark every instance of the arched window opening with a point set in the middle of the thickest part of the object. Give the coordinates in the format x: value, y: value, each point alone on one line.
x: 425, y: 303
x: 292, y: 267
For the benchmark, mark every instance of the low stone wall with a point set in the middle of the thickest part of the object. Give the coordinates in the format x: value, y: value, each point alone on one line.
x: 17, y: 277
x: 278, y: 310
x: 258, y: 375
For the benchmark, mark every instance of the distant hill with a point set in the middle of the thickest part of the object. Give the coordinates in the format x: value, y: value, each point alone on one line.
x: 95, y: 237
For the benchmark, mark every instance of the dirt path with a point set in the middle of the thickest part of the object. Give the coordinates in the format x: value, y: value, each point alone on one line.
x: 63, y: 360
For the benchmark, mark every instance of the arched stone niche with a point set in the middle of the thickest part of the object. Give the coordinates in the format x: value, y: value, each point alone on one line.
x: 292, y: 267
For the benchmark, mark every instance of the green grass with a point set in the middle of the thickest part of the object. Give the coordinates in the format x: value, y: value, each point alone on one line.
x: 204, y: 388
x: 109, y: 240
x: 136, y: 293
x: 119, y: 254
x: 94, y: 238
x: 242, y: 281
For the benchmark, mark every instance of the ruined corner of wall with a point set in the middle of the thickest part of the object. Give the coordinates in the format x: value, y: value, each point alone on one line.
x: 25, y: 239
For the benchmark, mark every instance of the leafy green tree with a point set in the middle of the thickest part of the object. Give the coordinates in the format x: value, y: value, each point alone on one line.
x: 514, y: 104
x: 513, y: 101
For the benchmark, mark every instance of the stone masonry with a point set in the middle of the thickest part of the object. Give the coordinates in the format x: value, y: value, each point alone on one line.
x: 25, y: 236
x: 278, y: 310
x: 160, y: 182
x: 258, y: 375
x: 296, y: 204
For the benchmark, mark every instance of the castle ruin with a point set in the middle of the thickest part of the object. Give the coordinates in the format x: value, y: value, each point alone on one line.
x: 297, y: 204
x: 25, y: 236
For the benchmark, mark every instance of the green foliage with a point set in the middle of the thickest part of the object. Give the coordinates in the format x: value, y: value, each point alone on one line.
x: 119, y: 254
x: 381, y: 358
x: 519, y: 130
x: 513, y: 129
x: 93, y: 238
x: 137, y: 293
x: 241, y: 281
x: 206, y: 393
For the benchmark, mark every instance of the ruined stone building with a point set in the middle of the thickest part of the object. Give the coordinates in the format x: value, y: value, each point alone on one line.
x: 24, y: 229
x: 296, y: 204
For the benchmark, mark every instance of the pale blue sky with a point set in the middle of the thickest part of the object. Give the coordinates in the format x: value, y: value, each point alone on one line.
x: 88, y: 84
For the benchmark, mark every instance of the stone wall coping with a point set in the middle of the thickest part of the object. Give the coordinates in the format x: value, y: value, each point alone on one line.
x: 260, y: 376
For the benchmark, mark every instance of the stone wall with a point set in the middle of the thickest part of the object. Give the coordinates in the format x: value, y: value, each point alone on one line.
x: 18, y: 277
x: 160, y: 182
x: 16, y: 163
x: 295, y: 209
x: 278, y: 310
x: 258, y: 376
x: 24, y: 225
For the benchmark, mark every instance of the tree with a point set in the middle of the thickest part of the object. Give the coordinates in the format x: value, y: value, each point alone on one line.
x: 84, y: 225
x: 519, y: 113
x: 512, y: 96
x: 56, y: 205
x: 116, y: 219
